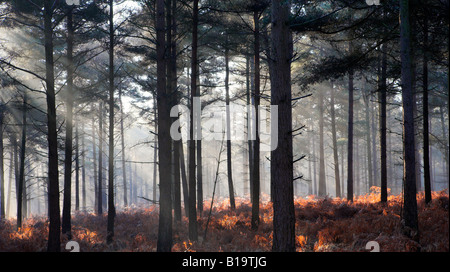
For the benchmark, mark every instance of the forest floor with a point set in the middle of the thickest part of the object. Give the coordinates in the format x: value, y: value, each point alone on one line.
x: 322, y: 224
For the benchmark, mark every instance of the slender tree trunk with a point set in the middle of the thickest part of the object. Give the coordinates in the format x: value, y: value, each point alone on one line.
x: 10, y: 178
x: 122, y: 138
x: 228, y: 120
x: 444, y: 133
x: 155, y: 151
x: 281, y: 161
x: 193, y: 232
x: 368, y: 141
x: 374, y: 145
x: 249, y: 127
x: 350, y: 136
x: 2, y: 172
x: 164, y: 243
x: 100, y: 162
x: 111, y: 207
x: 174, y: 90
x: 409, y: 164
x: 83, y: 171
x: 184, y: 182
x: 255, y: 179
x: 335, y: 147
x: 426, y: 131
x: 383, y: 103
x: 322, y: 178
x: 68, y: 148
x: 21, y: 185
x: 77, y: 168
x: 94, y: 161
x: 52, y: 136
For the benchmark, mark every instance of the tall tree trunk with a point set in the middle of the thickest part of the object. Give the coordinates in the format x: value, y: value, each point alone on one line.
x: 193, y: 232
x: 83, y: 171
x: 68, y: 148
x: 228, y: 121
x: 164, y: 243
x: 409, y: 163
x: 155, y: 150
x: 94, y: 161
x: 184, y: 181
x: 111, y: 207
x: 249, y: 126
x: 335, y: 147
x: 77, y: 168
x: 426, y: 131
x: 100, y: 162
x: 322, y: 178
x: 368, y: 141
x: 122, y: 139
x: 21, y: 196
x: 174, y: 90
x: 282, y: 161
x: 383, y: 104
x: 2, y: 172
x: 255, y: 179
x: 374, y: 144
x: 52, y: 136
x: 350, y: 135
x: 10, y: 178
x: 444, y: 133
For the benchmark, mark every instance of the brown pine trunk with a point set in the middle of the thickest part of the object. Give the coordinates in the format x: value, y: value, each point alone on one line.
x: 350, y: 137
x: 281, y: 160
x: 67, y: 202
x: 52, y: 136
x: 322, y: 178
x: 164, y: 243
x: 409, y: 163
x: 383, y: 104
x: 426, y: 131
x: 255, y: 162
x: 228, y: 122
x: 21, y: 199
x: 100, y: 162
x: 335, y: 147
x: 111, y: 207
x: 2, y: 173
x: 193, y: 232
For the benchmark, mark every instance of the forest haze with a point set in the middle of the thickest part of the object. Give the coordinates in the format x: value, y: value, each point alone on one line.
x: 206, y: 125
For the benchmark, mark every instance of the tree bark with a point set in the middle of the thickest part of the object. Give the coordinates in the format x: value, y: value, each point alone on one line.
x: 94, y: 162
x: 100, y: 162
x: 122, y: 140
x: 193, y: 232
x: 68, y: 148
x: 164, y: 243
x: 228, y: 122
x: 52, y: 136
x: 426, y: 131
x: 322, y: 178
x: 335, y: 147
x: 409, y: 163
x: 21, y: 194
x: 383, y: 103
x: 111, y: 207
x: 350, y: 135
x: 281, y: 160
x: 255, y: 163
x: 2, y: 172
